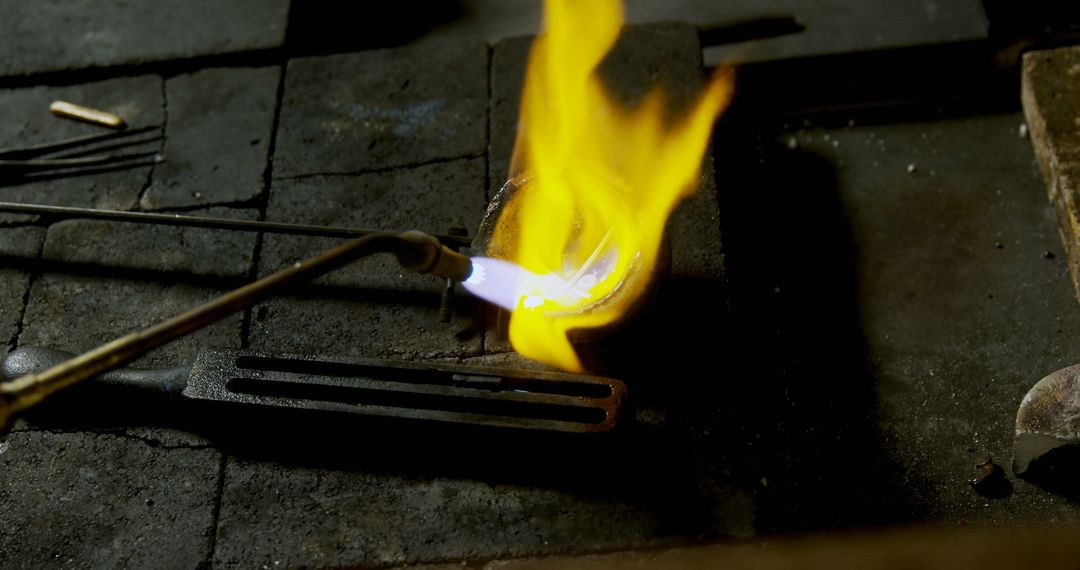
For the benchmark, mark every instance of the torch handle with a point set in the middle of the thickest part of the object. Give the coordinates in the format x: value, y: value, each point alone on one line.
x: 34, y: 360
x: 415, y: 250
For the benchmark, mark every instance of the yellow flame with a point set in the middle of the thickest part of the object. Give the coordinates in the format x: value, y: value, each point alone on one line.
x: 602, y: 180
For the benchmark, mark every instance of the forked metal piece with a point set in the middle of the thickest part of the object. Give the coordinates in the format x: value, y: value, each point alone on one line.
x: 441, y: 392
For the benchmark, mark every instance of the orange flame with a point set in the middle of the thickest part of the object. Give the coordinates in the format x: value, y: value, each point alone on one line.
x: 602, y: 180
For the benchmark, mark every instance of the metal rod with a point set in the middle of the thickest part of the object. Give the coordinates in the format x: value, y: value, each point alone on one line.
x: 86, y: 140
x: 416, y: 251
x: 74, y: 162
x: 87, y: 115
x: 67, y: 213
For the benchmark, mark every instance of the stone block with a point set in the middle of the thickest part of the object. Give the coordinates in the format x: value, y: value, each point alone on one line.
x: 92, y: 500
x: 373, y: 307
x: 220, y: 122
x: 349, y: 113
x: 22, y: 245
x: 60, y: 35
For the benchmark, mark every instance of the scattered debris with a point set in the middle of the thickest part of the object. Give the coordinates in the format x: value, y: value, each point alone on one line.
x: 990, y: 480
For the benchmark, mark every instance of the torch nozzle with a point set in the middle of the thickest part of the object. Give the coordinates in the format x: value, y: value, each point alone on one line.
x: 424, y: 253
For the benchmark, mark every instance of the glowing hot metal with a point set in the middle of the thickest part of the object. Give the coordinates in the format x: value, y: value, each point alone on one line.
x: 578, y: 241
x: 509, y: 285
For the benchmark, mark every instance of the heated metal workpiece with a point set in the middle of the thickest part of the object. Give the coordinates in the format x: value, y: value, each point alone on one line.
x: 1048, y: 418
x: 503, y: 248
x: 415, y: 251
x: 440, y: 392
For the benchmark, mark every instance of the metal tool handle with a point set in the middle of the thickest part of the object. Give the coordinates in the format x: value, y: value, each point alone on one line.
x: 32, y: 360
x: 414, y: 250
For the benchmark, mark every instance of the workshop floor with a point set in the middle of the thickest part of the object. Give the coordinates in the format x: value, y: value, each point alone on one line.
x: 886, y: 289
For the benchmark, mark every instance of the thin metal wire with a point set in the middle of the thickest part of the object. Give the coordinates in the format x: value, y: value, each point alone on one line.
x: 33, y: 150
x: 67, y: 213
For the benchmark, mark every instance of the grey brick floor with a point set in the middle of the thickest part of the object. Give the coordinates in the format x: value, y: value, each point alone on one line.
x: 391, y: 139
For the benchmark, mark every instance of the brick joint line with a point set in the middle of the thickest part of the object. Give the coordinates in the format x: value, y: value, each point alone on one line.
x: 383, y: 170
x: 13, y: 342
x: 150, y: 441
x: 250, y: 204
x: 161, y: 146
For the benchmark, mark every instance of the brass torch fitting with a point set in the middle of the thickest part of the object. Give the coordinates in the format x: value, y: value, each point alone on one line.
x: 423, y: 253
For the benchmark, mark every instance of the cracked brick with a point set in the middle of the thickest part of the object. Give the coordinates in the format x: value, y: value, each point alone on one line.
x: 22, y: 245
x: 106, y: 279
x: 373, y: 110
x: 86, y: 500
x: 122, y: 277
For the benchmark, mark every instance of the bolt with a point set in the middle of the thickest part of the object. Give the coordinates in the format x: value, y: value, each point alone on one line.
x: 447, y: 295
x: 444, y: 301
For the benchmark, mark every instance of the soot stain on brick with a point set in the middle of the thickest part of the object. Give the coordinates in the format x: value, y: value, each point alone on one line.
x: 402, y: 121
